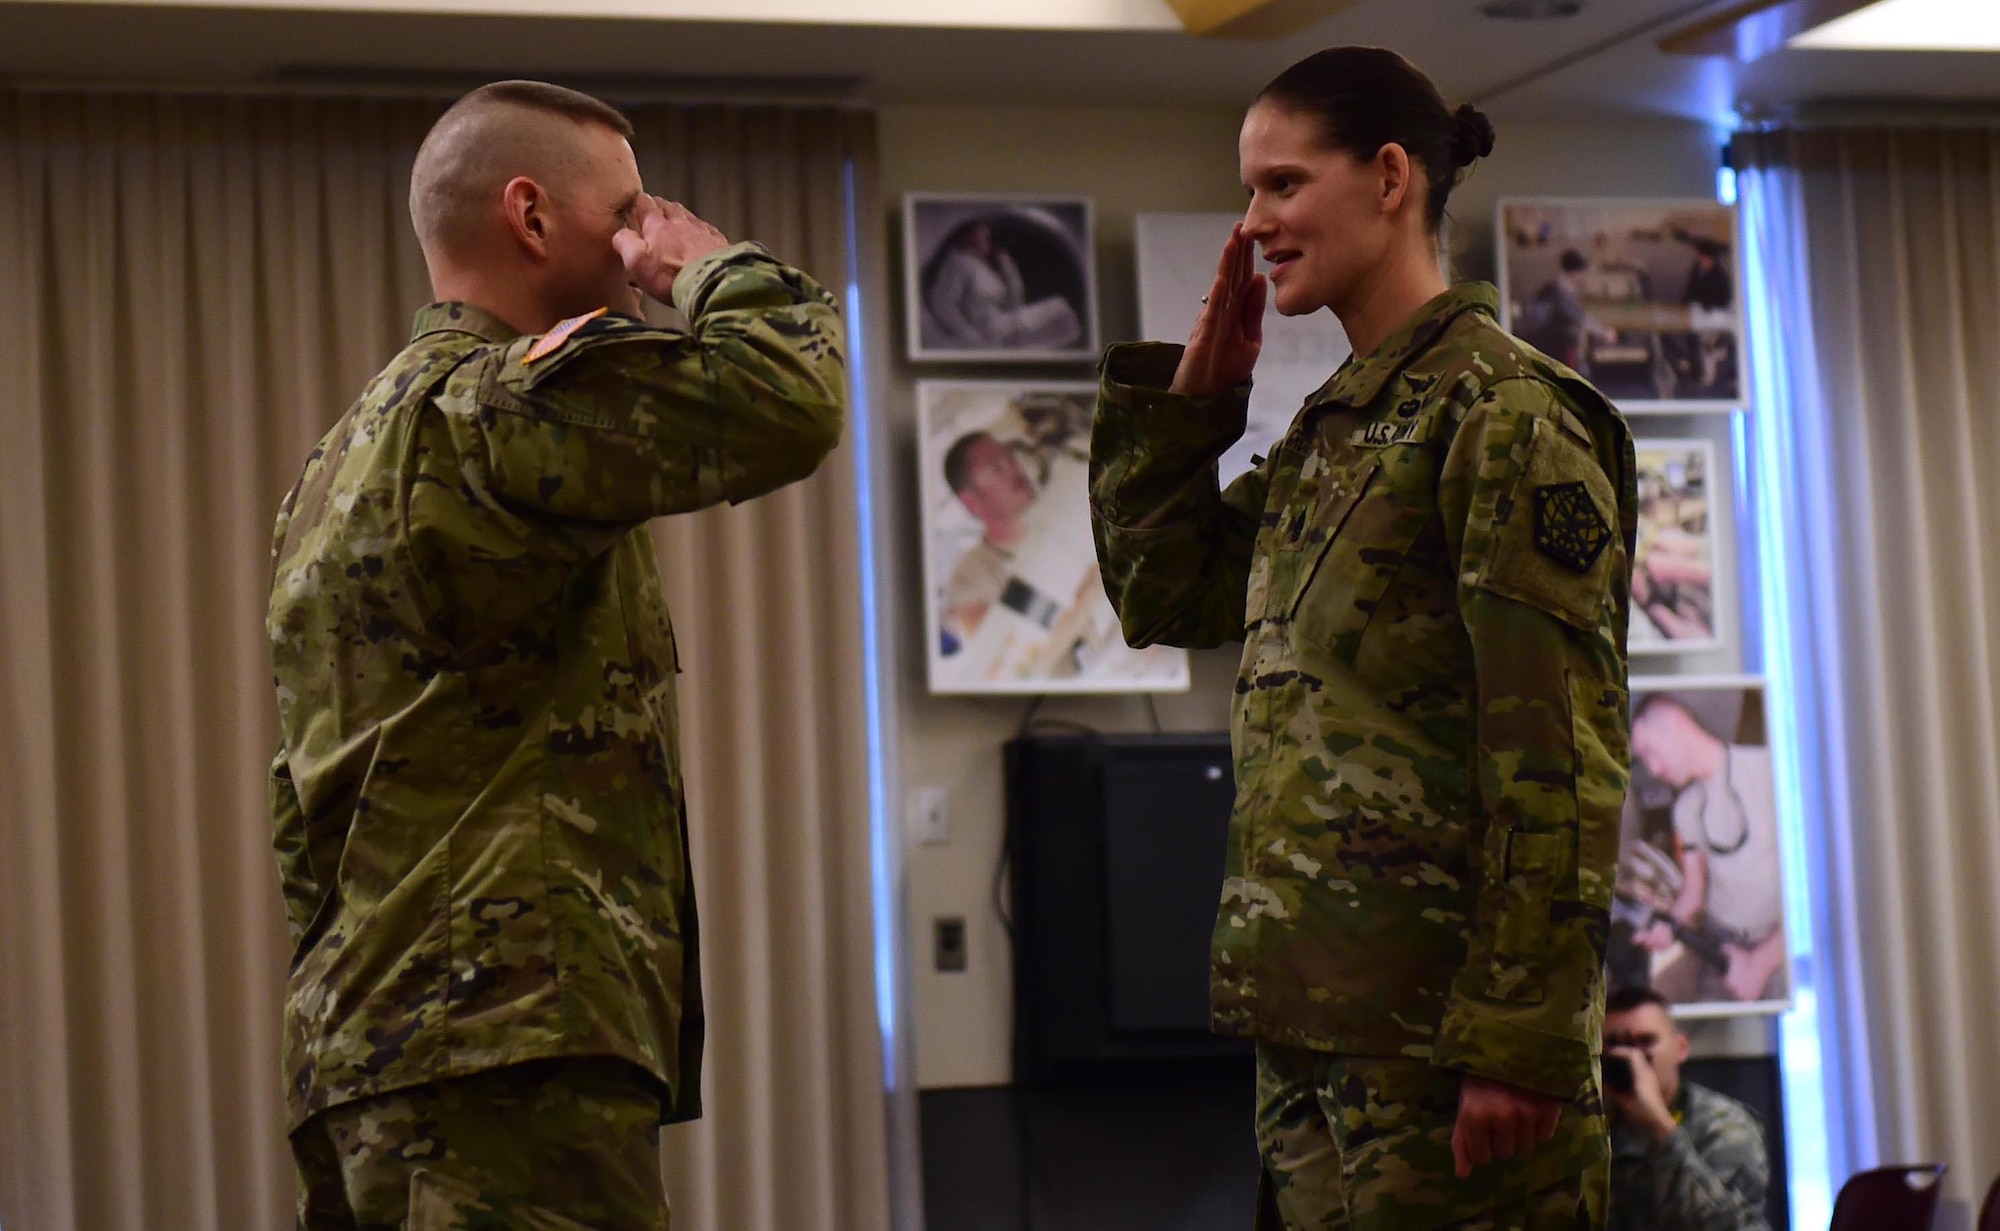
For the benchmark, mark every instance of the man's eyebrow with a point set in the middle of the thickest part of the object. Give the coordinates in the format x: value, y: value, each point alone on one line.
x: 625, y: 208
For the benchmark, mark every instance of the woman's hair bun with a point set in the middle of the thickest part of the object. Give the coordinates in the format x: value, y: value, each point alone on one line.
x: 1474, y: 136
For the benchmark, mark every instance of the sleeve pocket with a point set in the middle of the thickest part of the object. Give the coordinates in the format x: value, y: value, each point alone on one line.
x: 1522, y: 870
x: 1600, y: 713
x: 1558, y: 549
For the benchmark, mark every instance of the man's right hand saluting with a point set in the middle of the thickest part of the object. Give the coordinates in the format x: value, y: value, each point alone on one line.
x: 662, y: 238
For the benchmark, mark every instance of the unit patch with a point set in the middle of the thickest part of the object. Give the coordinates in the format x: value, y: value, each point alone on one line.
x: 1568, y: 527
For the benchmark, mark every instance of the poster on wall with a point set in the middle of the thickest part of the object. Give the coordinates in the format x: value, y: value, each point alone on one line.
x: 1676, y: 586
x: 1698, y: 908
x: 1176, y: 257
x: 1644, y: 298
x: 999, y: 278
x: 1013, y: 603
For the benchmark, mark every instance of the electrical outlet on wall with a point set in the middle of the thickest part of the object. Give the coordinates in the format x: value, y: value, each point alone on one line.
x: 930, y: 815
x: 949, y: 935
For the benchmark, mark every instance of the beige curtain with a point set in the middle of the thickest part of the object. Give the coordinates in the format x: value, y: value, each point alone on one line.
x: 191, y: 290
x: 1883, y: 251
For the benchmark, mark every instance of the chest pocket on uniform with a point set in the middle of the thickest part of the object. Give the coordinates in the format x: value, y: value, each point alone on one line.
x: 1370, y: 524
x: 1312, y: 520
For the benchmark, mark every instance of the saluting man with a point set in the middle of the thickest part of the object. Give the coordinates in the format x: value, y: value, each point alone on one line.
x: 495, y: 993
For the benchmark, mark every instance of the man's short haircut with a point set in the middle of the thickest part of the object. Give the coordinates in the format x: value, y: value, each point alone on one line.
x: 484, y: 140
x: 553, y: 99
x: 1626, y: 999
x: 958, y: 460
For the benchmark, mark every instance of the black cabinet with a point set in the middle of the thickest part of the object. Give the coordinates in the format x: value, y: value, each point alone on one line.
x: 1116, y: 845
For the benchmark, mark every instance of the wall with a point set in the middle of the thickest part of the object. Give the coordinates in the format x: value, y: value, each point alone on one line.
x: 1130, y: 160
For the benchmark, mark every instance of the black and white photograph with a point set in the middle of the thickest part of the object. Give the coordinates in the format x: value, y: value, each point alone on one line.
x: 1676, y: 584
x: 1643, y: 298
x: 1013, y: 602
x: 1698, y: 909
x: 999, y: 278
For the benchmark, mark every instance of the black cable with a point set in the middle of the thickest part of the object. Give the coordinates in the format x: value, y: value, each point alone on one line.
x: 1028, y: 719
x: 1153, y: 708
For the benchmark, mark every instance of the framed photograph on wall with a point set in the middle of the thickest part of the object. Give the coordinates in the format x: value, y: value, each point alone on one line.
x: 1642, y: 297
x: 1677, y: 584
x: 1012, y: 599
x: 1698, y: 907
x: 999, y: 278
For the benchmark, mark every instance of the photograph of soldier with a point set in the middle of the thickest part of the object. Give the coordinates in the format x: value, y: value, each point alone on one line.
x: 1013, y: 595
x: 1638, y: 296
x: 1698, y: 904
x: 1674, y: 578
x: 999, y: 278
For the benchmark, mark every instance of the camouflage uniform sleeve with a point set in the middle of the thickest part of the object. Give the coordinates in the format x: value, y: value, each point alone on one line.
x: 1172, y: 547
x: 1532, y: 524
x: 288, y: 838
x: 624, y: 421
x: 1713, y: 1176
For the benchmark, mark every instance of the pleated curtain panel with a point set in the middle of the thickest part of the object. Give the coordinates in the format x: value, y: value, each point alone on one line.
x: 1881, y: 242
x: 192, y: 289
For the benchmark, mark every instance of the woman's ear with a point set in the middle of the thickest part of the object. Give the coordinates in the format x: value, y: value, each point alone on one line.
x: 1392, y: 164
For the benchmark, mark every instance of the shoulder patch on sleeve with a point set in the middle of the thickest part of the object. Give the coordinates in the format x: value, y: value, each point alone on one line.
x: 1569, y: 529
x: 552, y: 341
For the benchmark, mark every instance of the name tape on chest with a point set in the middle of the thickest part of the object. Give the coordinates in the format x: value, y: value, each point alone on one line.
x: 1383, y: 433
x: 552, y: 340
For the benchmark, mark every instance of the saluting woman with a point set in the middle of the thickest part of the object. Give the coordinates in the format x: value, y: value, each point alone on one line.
x: 1430, y: 575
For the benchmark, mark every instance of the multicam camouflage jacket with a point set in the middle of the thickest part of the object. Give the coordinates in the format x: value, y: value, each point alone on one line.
x: 1711, y: 1175
x: 477, y: 804
x: 1430, y: 574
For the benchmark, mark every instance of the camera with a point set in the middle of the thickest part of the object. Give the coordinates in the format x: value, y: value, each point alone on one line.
x: 1618, y: 1073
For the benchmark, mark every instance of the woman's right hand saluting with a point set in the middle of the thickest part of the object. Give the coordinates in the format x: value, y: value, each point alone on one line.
x: 1223, y: 348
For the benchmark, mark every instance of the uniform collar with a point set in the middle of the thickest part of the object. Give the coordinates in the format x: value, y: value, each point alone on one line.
x: 1361, y: 380
x: 462, y: 318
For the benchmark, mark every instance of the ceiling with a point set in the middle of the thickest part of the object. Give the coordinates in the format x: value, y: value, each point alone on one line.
x: 1605, y: 61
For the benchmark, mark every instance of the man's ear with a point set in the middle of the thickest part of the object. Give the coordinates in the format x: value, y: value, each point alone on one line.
x: 527, y: 209
x: 1392, y: 163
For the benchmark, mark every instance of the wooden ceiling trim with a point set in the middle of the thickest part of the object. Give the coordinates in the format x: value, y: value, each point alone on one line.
x: 1755, y: 28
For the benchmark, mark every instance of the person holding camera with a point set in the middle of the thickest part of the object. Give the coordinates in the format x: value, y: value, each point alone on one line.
x: 1683, y: 1157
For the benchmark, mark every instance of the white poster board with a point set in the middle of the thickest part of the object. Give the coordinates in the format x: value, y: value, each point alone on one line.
x: 1177, y: 254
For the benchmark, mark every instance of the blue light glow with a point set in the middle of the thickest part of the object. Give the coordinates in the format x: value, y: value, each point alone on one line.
x: 880, y: 834
x: 1766, y: 438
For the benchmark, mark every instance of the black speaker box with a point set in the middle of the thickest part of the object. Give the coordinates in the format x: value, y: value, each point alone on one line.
x: 1116, y: 844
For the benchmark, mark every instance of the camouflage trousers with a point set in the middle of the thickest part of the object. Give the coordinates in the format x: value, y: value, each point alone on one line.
x: 553, y: 1145
x: 1361, y: 1144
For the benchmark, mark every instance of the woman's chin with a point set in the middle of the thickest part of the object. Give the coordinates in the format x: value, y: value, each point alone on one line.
x: 1289, y: 302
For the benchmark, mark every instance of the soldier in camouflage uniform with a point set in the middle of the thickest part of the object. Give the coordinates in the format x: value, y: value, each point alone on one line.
x: 1683, y: 1158
x: 1429, y: 574
x: 495, y: 992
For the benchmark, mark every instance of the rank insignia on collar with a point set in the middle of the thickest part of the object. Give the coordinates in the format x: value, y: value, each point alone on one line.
x: 552, y: 341
x: 1568, y: 527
